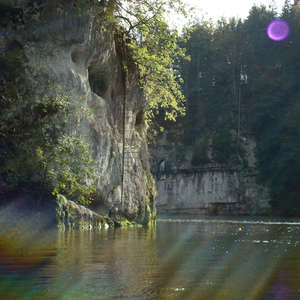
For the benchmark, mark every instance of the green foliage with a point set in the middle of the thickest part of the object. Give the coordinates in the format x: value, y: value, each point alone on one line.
x: 68, y: 167
x: 155, y: 60
x: 154, y: 49
x: 213, y: 89
x: 242, y: 84
x: 36, y: 146
x: 200, y: 154
x: 225, y: 148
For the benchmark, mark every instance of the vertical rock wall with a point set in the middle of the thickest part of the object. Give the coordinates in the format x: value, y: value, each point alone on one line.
x: 68, y: 45
x: 207, y: 189
x: 211, y: 192
x: 197, y: 190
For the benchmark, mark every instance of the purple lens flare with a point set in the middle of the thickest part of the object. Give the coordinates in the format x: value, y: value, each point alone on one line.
x: 278, y: 30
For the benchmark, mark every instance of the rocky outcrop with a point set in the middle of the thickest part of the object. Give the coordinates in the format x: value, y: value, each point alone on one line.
x: 211, y: 189
x: 67, y: 45
x: 215, y: 191
x: 73, y: 216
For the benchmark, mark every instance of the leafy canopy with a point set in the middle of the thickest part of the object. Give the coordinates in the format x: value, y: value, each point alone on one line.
x: 155, y: 50
x: 240, y: 84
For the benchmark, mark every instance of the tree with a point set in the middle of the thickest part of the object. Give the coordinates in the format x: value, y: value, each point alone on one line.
x: 241, y: 81
x: 213, y: 89
x: 287, y: 8
x: 34, y: 147
x: 154, y: 49
x: 273, y: 102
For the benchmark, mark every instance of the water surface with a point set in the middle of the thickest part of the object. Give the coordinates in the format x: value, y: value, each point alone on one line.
x: 180, y: 258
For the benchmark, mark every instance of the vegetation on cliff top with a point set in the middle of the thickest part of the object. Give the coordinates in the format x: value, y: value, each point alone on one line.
x: 155, y: 50
x: 240, y: 85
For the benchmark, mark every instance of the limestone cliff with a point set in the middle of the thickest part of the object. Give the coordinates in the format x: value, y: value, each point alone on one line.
x: 67, y: 45
x: 210, y: 188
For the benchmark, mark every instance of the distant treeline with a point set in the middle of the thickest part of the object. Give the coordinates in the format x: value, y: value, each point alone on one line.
x: 240, y: 84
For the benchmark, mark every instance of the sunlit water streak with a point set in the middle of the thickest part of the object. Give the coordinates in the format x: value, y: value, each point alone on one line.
x: 180, y: 258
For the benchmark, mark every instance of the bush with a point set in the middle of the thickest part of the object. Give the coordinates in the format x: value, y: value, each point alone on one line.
x: 36, y: 146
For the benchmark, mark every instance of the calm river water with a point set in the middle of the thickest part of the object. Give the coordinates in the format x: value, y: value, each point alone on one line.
x: 180, y: 258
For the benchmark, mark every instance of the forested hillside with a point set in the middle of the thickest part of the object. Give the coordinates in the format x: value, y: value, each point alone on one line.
x: 242, y: 85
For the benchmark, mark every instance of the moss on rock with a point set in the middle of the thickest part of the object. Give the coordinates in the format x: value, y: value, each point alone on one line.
x: 74, y: 216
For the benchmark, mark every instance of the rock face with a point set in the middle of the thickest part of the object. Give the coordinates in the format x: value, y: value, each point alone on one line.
x: 211, y: 192
x: 208, y: 189
x: 73, y: 216
x: 75, y: 51
x: 196, y: 190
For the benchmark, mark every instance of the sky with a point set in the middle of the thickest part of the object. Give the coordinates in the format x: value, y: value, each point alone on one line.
x: 215, y: 9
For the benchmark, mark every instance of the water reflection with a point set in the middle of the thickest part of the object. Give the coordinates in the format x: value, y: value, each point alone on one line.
x: 174, y: 260
x: 233, y: 260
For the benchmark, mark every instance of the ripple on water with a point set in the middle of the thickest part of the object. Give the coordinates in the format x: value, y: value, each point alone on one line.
x: 178, y: 259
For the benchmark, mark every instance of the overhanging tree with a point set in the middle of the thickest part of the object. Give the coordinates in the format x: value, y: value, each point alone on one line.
x: 155, y: 51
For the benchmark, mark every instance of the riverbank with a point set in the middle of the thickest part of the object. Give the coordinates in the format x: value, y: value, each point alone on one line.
x: 18, y: 211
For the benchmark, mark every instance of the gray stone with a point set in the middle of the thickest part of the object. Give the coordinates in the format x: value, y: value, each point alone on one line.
x: 75, y: 51
x: 210, y: 188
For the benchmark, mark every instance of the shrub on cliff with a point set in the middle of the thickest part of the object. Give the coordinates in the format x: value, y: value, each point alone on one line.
x: 36, y: 147
x: 155, y: 50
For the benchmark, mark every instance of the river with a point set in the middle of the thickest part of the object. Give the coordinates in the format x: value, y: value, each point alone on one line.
x: 183, y: 257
